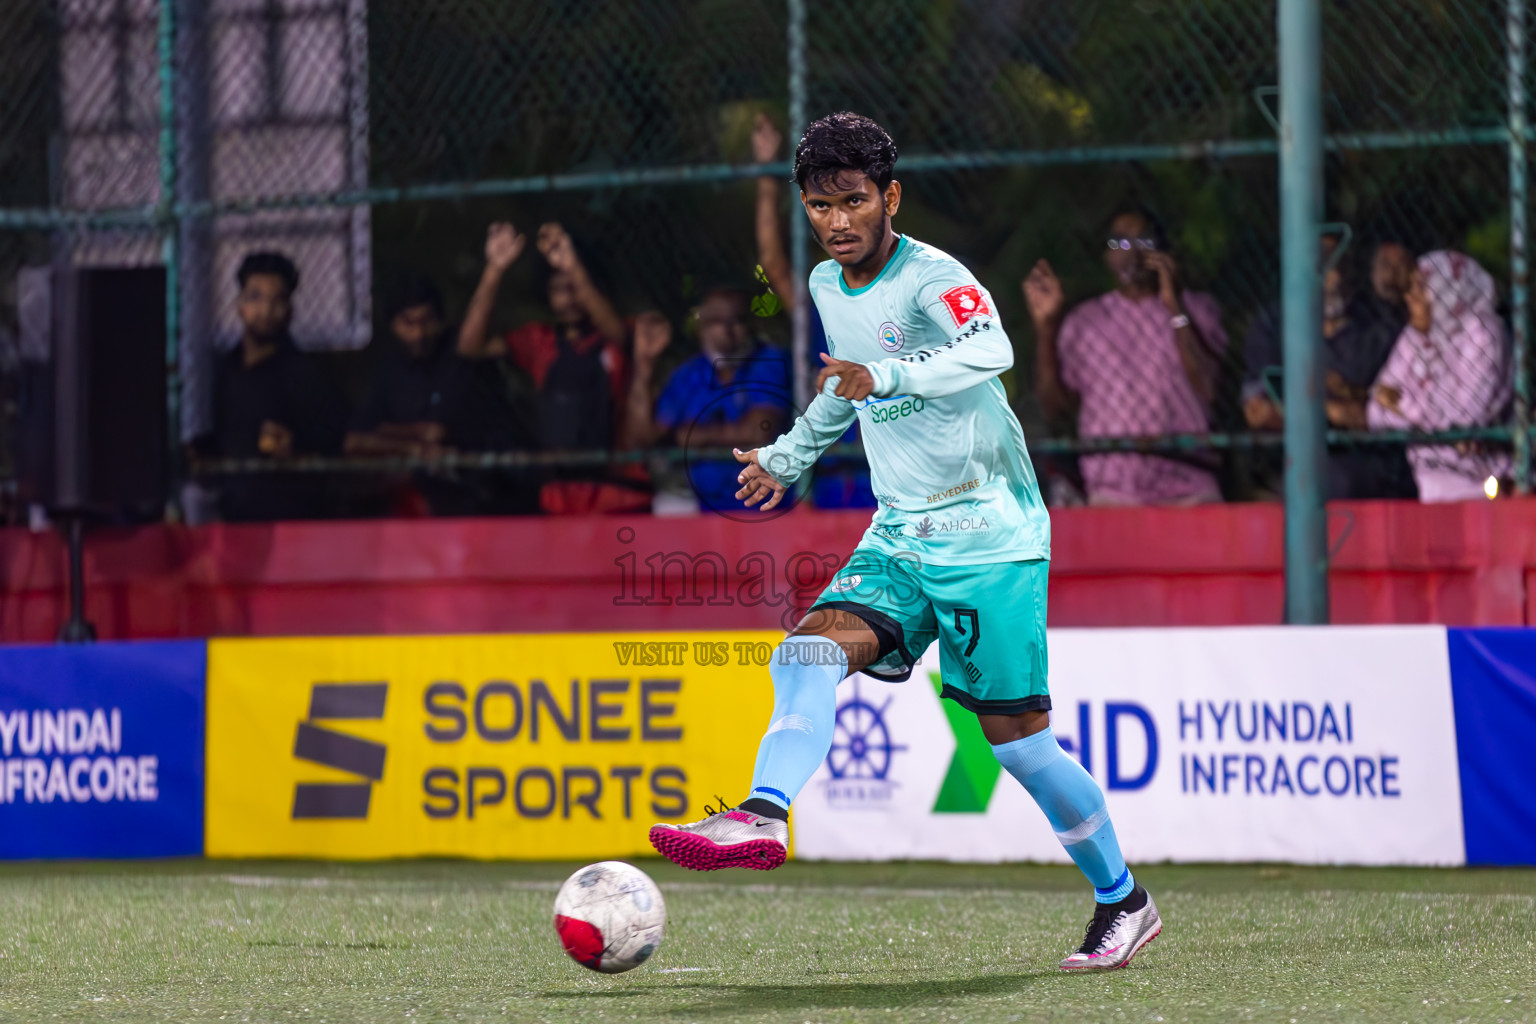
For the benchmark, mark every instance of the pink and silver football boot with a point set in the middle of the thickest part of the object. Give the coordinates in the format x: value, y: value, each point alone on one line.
x: 727, y: 838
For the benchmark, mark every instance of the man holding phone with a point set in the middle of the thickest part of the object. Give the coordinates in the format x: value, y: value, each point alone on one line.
x: 1139, y: 360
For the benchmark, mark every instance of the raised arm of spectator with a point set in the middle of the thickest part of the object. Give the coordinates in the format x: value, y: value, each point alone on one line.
x: 557, y: 248
x: 503, y: 245
x: 1196, y: 351
x: 772, y: 254
x: 1047, y: 307
x: 652, y: 336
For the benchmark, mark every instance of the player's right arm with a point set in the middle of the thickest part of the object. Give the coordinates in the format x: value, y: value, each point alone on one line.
x: 770, y: 470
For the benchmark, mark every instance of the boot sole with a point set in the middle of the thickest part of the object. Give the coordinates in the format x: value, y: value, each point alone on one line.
x: 696, y: 853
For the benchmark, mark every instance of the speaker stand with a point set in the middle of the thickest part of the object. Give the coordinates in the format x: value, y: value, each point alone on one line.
x: 76, y: 630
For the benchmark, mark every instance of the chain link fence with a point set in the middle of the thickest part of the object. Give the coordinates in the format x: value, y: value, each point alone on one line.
x: 370, y: 139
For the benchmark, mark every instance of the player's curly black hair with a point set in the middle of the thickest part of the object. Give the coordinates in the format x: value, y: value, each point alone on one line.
x: 842, y: 142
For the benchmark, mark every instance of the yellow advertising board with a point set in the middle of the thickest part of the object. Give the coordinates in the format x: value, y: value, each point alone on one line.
x: 520, y: 746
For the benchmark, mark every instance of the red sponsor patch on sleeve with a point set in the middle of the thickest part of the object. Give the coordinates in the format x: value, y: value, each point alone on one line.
x: 965, y: 302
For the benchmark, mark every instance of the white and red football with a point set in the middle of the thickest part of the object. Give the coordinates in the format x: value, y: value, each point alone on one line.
x: 610, y: 916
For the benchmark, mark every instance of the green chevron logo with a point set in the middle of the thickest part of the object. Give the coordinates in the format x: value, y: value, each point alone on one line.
x: 974, y: 770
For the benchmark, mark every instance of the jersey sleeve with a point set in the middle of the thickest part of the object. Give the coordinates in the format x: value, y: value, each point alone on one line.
x: 978, y: 349
x: 823, y: 422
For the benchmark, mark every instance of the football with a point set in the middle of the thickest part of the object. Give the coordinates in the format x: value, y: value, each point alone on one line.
x: 610, y: 916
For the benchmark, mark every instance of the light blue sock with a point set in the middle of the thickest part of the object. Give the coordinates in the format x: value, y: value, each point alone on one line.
x: 805, y: 671
x: 1074, y: 805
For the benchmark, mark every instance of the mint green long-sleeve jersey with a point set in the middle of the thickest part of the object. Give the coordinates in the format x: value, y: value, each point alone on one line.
x: 946, y: 453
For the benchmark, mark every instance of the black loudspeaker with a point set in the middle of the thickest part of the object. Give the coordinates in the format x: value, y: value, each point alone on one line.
x: 93, y: 429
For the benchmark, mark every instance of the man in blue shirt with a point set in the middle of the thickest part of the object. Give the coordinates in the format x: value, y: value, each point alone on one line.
x: 734, y: 393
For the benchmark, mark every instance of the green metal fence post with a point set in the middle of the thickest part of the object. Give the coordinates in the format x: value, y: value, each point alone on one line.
x: 1519, y: 293
x: 169, y: 222
x: 1301, y: 210
x: 798, y: 233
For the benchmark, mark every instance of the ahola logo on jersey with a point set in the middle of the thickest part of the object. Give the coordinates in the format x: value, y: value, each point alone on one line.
x: 966, y: 302
x: 891, y: 338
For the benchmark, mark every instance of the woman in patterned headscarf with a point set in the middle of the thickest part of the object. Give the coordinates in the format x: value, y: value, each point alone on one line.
x: 1449, y: 368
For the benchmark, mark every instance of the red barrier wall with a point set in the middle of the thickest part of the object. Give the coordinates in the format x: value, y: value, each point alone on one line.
x: 1469, y: 564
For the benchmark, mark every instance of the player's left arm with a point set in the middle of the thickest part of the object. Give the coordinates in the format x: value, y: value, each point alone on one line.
x: 977, y: 351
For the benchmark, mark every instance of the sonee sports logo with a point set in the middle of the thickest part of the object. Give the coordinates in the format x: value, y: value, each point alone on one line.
x: 364, y: 758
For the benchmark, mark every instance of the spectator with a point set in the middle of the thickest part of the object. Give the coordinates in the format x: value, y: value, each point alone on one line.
x: 1138, y: 360
x: 839, y: 482
x: 577, y: 365
x: 733, y: 394
x: 1449, y: 368
x: 426, y: 400
x: 271, y: 401
x: 1358, y: 331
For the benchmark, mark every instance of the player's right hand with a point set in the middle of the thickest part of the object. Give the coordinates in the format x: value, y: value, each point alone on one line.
x: 756, y: 483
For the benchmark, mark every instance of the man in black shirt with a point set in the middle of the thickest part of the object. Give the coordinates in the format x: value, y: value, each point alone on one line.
x: 426, y: 400
x: 271, y: 401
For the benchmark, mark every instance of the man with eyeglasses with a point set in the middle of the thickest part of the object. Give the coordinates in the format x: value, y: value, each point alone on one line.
x: 1136, y: 361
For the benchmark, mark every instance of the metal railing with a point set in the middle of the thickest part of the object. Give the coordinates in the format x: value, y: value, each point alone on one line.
x: 982, y: 105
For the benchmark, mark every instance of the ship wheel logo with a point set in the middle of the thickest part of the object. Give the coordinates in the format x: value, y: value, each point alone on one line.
x: 861, y: 741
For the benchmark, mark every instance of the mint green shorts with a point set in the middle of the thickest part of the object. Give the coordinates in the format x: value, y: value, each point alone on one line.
x: 989, y: 621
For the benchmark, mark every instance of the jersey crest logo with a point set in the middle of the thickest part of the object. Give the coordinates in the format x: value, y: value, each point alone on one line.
x: 891, y: 338
x: 965, y: 302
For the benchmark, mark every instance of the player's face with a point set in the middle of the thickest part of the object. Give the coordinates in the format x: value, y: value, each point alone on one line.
x: 850, y: 215
x: 265, y: 306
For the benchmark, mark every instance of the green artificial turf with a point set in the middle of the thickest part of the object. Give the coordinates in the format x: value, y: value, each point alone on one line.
x: 194, y: 941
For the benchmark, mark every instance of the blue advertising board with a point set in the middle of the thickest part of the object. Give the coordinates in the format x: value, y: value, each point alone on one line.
x: 101, y: 750
x: 1493, y: 678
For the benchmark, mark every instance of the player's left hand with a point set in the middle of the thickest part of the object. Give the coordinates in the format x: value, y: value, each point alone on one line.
x: 854, y: 381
